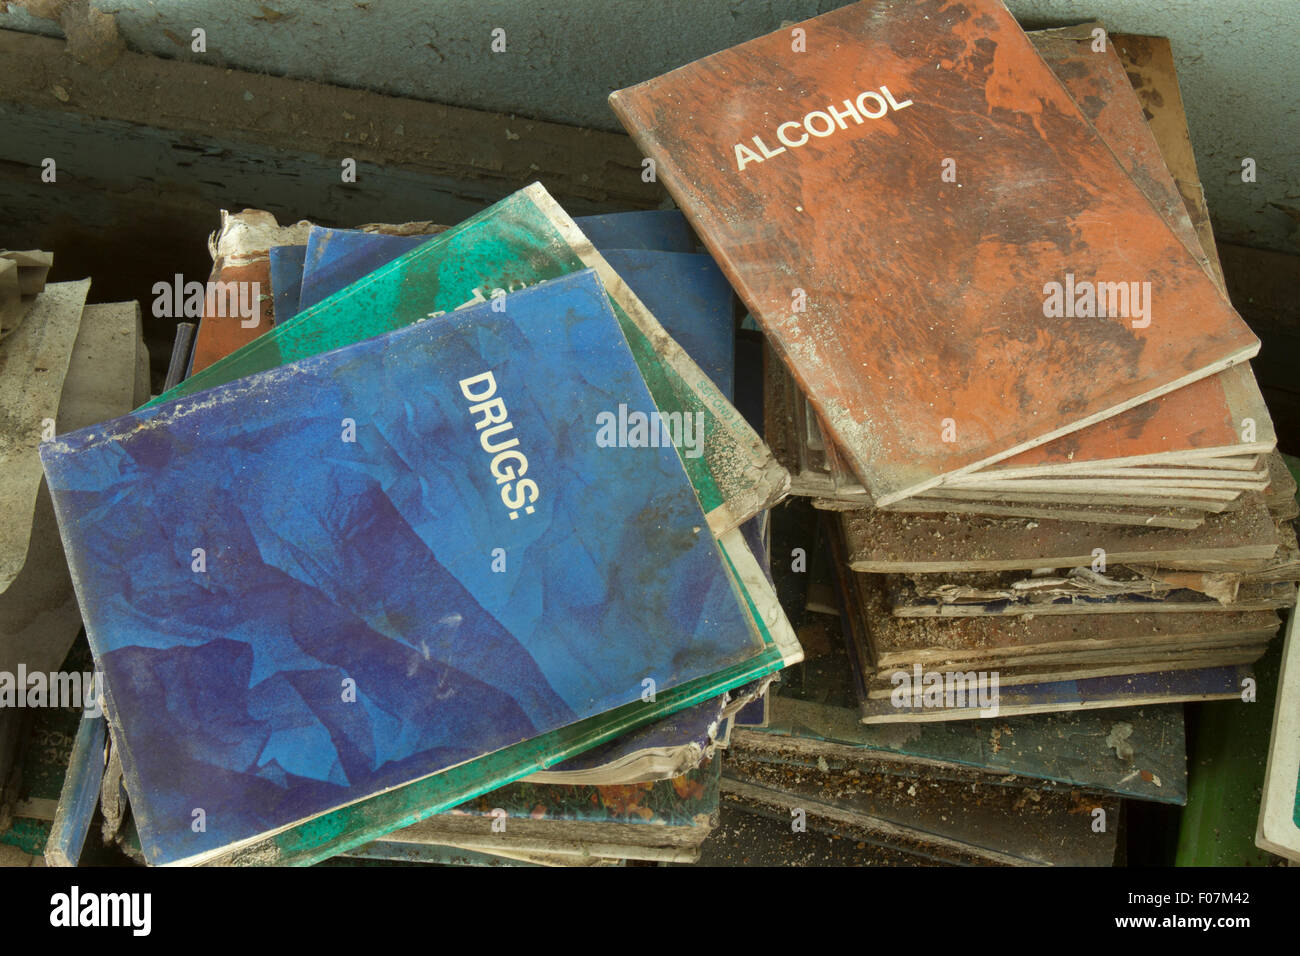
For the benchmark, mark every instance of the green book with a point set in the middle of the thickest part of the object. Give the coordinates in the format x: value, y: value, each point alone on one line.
x: 522, y: 240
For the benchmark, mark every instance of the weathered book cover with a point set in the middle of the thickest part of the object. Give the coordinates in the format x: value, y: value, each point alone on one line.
x: 1125, y: 690
x: 39, y: 618
x: 689, y: 295
x: 685, y: 292
x: 1068, y: 748
x: 954, y: 820
x: 911, y: 544
x: 662, y: 819
x: 1204, y: 420
x: 1278, y: 830
x: 263, y: 669
x: 923, y: 309
x: 335, y: 258
x: 664, y: 230
x: 1207, y: 418
x: 702, y: 319
x: 523, y: 239
x: 34, y: 363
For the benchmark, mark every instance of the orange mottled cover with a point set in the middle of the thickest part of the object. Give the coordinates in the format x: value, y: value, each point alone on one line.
x: 910, y: 305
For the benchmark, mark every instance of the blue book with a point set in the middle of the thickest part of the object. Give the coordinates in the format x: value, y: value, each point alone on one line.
x: 286, y: 279
x: 663, y: 230
x: 456, y: 568
x: 336, y: 258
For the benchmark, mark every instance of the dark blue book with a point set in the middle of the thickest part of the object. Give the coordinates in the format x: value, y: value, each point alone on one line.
x: 456, y: 569
x: 286, y: 279
x: 662, y: 230
x: 673, y: 745
x: 336, y: 258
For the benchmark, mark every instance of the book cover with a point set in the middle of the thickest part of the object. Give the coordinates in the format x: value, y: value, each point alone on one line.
x: 237, y: 303
x: 1122, y: 690
x: 691, y: 298
x: 523, y: 239
x: 822, y: 721
x: 646, y: 820
x: 663, y: 230
x: 1205, y: 419
x: 620, y: 752
x: 232, y: 634
x: 915, y: 307
x: 935, y: 817
x: 34, y: 360
x: 336, y: 258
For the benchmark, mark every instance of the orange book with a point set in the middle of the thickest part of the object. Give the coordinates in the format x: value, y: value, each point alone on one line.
x: 241, y: 276
x: 920, y: 217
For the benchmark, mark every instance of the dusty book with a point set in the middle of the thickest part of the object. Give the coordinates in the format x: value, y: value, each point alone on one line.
x: 937, y: 323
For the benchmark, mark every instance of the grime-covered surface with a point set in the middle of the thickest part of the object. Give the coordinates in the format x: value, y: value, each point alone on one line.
x: 814, y: 717
x: 891, y: 541
x: 991, y: 821
x: 33, y: 365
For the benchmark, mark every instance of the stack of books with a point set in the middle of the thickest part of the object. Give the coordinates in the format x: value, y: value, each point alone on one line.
x: 999, y: 351
x: 474, y: 517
